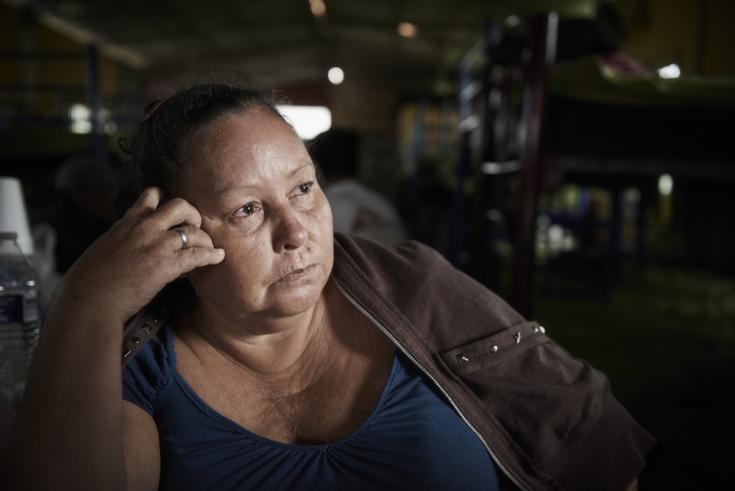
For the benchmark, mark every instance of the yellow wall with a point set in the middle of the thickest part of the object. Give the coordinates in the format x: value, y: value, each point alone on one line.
x: 17, y: 36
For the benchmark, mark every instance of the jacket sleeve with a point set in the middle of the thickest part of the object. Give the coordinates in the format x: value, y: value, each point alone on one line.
x: 552, y: 413
x: 548, y: 417
x: 556, y: 413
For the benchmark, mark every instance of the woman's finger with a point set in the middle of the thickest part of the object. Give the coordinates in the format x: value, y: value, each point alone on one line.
x: 196, y: 257
x: 175, y: 212
x: 146, y: 203
x: 187, y: 236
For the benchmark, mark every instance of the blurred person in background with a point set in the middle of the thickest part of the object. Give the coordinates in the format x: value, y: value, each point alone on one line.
x: 83, y: 206
x: 80, y: 211
x: 356, y: 208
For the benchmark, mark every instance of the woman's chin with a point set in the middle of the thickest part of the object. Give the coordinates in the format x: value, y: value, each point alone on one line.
x: 286, y: 302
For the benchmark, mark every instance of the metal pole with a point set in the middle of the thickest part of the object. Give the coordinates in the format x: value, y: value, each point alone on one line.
x: 542, y: 48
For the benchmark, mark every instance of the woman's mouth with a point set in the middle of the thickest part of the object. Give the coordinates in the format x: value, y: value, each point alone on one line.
x: 298, y: 274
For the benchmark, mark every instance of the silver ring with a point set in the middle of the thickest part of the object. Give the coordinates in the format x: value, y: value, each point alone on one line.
x: 184, y: 238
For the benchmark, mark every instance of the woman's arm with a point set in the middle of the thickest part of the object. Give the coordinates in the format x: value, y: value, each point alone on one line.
x: 140, y: 449
x: 69, y: 433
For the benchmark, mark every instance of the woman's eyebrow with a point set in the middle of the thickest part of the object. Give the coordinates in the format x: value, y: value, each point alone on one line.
x: 254, y: 185
x: 297, y: 169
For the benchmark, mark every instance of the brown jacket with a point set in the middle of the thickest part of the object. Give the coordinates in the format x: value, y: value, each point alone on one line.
x: 548, y: 420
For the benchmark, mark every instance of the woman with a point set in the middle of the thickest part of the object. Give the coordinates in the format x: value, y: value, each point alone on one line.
x: 298, y: 361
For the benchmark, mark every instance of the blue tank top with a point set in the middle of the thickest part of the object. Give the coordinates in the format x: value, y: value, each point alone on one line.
x: 412, y: 440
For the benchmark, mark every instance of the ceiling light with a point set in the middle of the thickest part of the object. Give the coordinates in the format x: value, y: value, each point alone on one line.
x: 513, y: 21
x: 79, y: 112
x: 308, y: 121
x: 407, y: 30
x: 336, y: 75
x: 670, y: 71
x: 81, y: 127
x: 665, y: 184
x: 317, y: 7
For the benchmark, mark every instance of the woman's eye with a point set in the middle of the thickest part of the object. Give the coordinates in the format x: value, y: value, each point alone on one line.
x: 306, y: 187
x: 248, y: 209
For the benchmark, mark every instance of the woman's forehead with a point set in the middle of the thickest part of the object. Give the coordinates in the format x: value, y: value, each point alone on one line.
x: 245, y: 147
x: 256, y: 123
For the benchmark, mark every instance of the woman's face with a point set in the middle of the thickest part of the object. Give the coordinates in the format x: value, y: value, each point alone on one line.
x: 253, y: 182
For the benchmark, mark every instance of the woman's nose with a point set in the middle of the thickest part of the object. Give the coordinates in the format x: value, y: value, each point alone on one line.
x: 290, y: 234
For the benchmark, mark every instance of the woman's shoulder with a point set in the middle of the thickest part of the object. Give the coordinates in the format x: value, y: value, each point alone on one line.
x: 412, y: 275
x: 150, y: 370
x: 412, y: 288
x: 377, y: 258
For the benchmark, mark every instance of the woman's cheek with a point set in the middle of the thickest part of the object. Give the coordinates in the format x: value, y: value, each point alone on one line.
x: 321, y: 210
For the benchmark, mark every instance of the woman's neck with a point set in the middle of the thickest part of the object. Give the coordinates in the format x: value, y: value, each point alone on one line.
x: 268, y: 349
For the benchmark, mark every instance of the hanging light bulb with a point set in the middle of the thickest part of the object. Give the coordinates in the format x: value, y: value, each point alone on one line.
x: 317, y: 7
x: 336, y: 75
x: 407, y: 29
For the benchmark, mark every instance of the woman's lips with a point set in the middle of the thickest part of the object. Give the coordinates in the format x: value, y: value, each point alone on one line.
x: 298, y: 274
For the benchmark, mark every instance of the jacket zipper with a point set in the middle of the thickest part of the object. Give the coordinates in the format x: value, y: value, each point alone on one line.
x: 408, y: 355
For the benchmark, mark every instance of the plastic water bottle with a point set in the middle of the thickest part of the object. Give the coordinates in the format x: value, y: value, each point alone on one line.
x: 19, y: 320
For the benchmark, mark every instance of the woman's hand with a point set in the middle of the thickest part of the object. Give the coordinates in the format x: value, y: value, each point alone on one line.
x: 127, y: 266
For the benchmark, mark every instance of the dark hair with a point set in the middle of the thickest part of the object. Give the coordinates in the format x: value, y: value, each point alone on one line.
x: 336, y: 152
x: 155, y: 148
